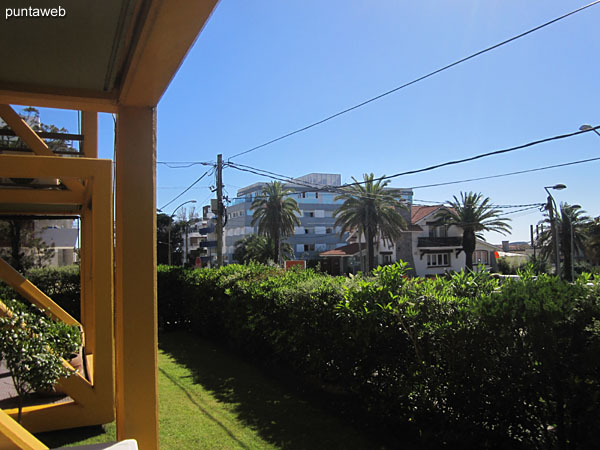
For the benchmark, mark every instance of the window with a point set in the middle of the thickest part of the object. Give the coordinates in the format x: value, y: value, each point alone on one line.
x: 304, y: 195
x: 438, y: 259
x: 437, y: 230
x: 387, y: 259
x: 309, y: 247
x: 309, y: 231
x: 328, y: 231
x: 316, y: 195
x: 481, y: 257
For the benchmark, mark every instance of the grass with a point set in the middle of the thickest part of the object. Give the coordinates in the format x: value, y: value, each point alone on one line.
x: 211, y: 399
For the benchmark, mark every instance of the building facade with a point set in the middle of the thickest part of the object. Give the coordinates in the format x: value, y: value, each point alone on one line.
x: 317, y: 232
x: 437, y: 248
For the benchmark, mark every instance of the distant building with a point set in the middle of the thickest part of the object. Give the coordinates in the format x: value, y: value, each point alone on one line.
x: 58, y: 238
x: 428, y: 246
x: 200, y: 240
x: 316, y: 233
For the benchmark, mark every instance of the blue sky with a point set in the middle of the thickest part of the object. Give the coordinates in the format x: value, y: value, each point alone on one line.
x: 261, y: 69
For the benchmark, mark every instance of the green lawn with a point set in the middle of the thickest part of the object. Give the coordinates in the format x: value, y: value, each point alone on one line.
x: 210, y: 399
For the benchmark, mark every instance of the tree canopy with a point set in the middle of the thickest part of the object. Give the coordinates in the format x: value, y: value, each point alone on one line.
x: 473, y: 213
x: 371, y: 210
x: 275, y: 213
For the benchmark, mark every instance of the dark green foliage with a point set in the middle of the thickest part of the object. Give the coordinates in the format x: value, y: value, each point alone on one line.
x: 446, y: 362
x: 61, y: 284
x: 457, y: 361
x: 32, y: 346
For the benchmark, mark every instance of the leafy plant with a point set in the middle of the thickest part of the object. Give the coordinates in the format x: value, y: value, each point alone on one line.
x: 33, y: 347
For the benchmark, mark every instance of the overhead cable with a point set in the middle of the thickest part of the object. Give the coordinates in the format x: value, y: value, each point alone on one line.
x: 416, y: 80
x: 187, y: 189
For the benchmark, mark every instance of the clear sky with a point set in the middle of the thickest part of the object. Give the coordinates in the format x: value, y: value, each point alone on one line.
x: 261, y: 69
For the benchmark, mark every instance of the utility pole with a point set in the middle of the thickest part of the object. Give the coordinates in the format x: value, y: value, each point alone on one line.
x: 219, y: 210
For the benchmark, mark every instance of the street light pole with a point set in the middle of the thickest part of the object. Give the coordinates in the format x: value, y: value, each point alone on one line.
x: 171, y: 224
x: 550, y: 206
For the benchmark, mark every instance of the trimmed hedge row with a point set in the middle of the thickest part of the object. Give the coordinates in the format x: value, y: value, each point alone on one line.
x: 457, y: 361
x: 449, y: 362
x: 61, y: 284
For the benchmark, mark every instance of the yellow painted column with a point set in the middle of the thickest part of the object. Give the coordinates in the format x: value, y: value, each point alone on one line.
x: 135, y: 277
x: 89, y: 122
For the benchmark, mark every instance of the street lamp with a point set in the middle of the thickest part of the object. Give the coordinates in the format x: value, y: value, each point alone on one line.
x: 587, y: 127
x: 171, y: 224
x: 550, y: 206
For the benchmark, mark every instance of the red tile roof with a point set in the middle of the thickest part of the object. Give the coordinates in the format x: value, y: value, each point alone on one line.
x: 346, y: 250
x: 419, y: 212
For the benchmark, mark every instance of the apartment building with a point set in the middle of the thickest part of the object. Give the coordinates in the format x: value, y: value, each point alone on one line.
x: 317, y: 232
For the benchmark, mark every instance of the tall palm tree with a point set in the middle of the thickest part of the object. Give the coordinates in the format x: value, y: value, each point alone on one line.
x: 371, y: 210
x: 274, y: 211
x: 474, y: 214
x: 592, y: 244
x: 571, y: 219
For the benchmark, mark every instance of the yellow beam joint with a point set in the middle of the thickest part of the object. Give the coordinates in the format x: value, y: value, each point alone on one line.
x: 33, y: 141
x: 28, y: 290
x: 17, y: 435
x: 17, y: 166
x: 77, y: 387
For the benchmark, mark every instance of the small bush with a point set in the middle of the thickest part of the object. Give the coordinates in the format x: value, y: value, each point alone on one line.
x: 33, y: 346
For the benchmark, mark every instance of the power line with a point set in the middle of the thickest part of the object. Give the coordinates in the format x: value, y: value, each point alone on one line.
x: 416, y: 80
x: 184, y: 164
x: 331, y: 188
x: 187, y: 189
x: 507, y: 174
x: 272, y: 175
x: 480, y: 156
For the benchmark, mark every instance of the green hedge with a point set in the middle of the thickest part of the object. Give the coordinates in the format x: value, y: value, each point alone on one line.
x: 457, y: 361
x: 61, y: 284
x: 460, y: 361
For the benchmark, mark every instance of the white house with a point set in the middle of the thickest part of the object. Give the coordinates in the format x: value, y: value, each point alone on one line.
x: 437, y: 248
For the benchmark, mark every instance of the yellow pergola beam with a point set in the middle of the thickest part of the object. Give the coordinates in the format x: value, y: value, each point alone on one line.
x: 17, y: 435
x: 33, y: 141
x: 58, y: 98
x: 28, y: 290
x: 39, y: 196
x: 18, y: 166
x: 94, y: 399
x: 89, y: 127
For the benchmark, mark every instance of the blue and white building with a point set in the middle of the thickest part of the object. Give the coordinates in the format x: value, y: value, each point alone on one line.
x: 316, y: 233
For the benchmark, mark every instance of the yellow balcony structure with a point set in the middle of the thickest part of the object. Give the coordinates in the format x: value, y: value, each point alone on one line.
x: 112, y: 56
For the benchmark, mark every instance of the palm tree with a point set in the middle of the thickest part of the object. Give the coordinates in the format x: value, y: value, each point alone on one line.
x: 572, y: 219
x: 371, y: 210
x: 274, y: 211
x: 474, y: 214
x: 592, y: 244
x: 258, y: 248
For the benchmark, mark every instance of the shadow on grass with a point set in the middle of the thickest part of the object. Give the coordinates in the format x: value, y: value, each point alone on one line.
x: 62, y: 438
x: 280, y: 416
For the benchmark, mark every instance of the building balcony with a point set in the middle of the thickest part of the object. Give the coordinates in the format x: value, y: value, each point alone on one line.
x: 451, y: 242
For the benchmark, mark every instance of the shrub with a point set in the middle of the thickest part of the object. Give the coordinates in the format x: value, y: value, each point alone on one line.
x: 33, y: 346
x: 61, y: 284
x: 453, y: 361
